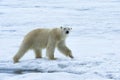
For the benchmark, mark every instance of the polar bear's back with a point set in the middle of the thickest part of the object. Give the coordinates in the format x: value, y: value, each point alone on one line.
x: 37, y: 38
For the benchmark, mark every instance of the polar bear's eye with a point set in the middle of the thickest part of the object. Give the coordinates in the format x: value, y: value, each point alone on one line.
x: 64, y: 28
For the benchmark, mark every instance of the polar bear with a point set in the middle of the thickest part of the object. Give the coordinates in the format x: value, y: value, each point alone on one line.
x: 45, y: 38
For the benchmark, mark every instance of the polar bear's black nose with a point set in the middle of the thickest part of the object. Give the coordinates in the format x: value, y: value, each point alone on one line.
x: 67, y: 32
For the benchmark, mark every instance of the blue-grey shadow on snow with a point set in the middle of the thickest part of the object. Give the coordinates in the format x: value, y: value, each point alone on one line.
x: 47, y: 66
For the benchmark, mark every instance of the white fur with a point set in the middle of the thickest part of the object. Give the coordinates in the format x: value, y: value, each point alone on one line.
x: 45, y: 38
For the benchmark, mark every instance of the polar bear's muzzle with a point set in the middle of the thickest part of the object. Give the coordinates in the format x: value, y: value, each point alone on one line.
x: 67, y: 32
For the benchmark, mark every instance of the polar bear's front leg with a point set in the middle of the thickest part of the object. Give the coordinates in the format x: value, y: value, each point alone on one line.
x: 50, y: 49
x: 64, y: 49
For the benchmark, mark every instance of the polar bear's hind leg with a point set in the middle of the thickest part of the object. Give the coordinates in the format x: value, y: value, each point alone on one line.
x: 23, y: 49
x: 38, y: 53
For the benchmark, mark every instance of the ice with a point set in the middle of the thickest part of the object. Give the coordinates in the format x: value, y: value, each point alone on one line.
x: 94, y: 40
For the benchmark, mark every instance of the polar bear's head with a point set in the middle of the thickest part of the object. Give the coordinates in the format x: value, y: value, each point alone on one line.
x: 66, y: 30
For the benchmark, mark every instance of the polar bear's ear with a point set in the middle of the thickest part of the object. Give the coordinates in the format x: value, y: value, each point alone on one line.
x: 70, y: 28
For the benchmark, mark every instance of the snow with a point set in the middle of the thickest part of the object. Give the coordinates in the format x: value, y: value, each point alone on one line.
x: 94, y: 40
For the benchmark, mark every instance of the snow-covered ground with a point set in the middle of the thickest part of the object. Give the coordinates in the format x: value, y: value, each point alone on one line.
x: 94, y: 40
